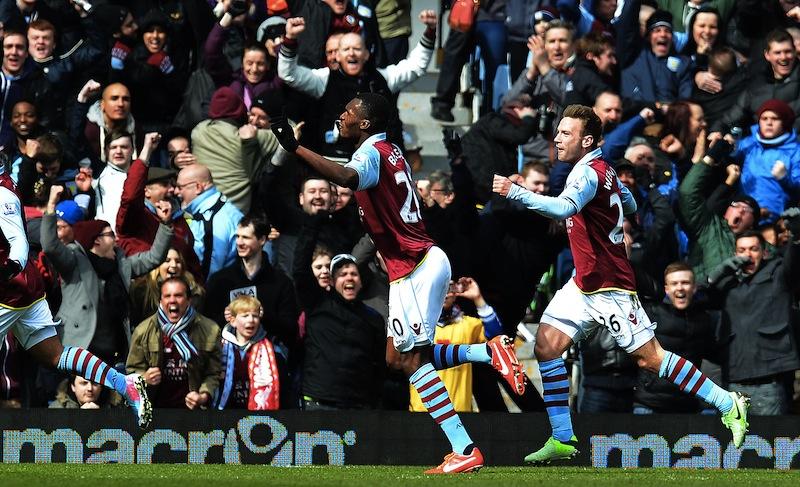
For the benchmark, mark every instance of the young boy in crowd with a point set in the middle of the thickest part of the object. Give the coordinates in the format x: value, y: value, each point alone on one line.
x: 250, y: 371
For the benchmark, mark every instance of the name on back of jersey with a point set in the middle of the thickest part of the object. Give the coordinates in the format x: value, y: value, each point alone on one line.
x: 395, y: 157
x: 609, y: 179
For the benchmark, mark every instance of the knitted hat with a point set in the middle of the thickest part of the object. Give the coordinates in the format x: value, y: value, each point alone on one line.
x: 225, y: 103
x: 751, y: 202
x: 69, y: 211
x: 339, y: 260
x: 271, y: 28
x: 544, y: 14
x: 781, y: 109
x: 660, y: 18
x: 152, y: 18
x: 87, y: 231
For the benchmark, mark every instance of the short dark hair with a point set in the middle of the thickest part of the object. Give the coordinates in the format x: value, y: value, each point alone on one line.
x: 178, y: 133
x: 50, y: 149
x: 259, y: 222
x: 594, y: 43
x: 776, y: 36
x: 591, y: 122
x: 313, y: 177
x: 376, y: 109
x: 173, y: 279
x: 753, y: 233
x: 256, y: 46
x: 678, y: 267
x: 722, y: 61
x: 118, y: 134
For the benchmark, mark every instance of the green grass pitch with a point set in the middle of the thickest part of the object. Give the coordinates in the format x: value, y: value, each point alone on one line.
x: 63, y: 475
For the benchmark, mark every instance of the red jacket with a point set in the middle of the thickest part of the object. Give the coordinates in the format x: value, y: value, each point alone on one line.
x: 137, y: 225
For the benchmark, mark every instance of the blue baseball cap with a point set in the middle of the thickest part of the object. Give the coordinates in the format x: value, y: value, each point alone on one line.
x: 69, y: 211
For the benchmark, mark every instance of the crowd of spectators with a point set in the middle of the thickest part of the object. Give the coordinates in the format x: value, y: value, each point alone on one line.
x: 178, y: 239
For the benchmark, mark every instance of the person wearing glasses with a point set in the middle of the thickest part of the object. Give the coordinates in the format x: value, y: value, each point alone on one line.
x: 214, y: 218
x: 95, y: 280
x: 712, y: 215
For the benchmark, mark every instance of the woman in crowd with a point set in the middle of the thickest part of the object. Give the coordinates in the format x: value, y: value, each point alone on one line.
x: 155, y: 76
x: 683, y: 138
x: 258, y: 74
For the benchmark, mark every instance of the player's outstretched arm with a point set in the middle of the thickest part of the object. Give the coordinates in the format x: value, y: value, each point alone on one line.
x: 557, y: 208
x: 330, y: 170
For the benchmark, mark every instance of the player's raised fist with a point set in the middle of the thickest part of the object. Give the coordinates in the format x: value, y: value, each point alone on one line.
x: 501, y: 185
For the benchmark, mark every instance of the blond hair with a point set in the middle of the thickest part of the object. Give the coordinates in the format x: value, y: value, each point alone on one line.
x: 244, y: 303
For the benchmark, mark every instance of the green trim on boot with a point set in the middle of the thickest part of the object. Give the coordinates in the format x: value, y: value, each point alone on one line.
x: 736, y: 419
x: 554, y: 449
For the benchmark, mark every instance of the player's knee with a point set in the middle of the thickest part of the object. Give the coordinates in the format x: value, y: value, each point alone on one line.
x: 647, y: 363
x: 543, y: 351
x: 394, y: 360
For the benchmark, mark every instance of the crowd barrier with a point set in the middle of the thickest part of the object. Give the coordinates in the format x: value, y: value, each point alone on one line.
x: 287, y: 438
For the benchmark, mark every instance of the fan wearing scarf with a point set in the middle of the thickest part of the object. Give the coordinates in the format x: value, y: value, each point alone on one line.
x: 771, y: 154
x: 250, y: 371
x: 177, y: 351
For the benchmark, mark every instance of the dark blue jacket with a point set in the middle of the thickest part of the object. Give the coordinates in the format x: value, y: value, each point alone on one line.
x: 651, y: 79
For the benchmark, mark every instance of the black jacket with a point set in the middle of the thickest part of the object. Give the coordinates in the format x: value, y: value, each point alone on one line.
x: 271, y: 286
x: 339, y: 232
x: 586, y: 83
x: 690, y: 333
x: 490, y: 147
x: 762, y: 87
x: 317, y: 14
x: 757, y: 320
x: 716, y: 105
x: 345, y: 341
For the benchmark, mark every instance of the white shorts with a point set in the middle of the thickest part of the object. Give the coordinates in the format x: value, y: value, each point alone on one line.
x: 30, y: 325
x: 415, y: 302
x: 577, y: 314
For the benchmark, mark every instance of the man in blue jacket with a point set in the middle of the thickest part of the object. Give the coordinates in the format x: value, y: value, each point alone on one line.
x: 656, y: 75
x: 214, y: 218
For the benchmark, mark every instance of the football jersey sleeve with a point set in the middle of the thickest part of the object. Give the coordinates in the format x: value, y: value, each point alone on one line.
x: 367, y: 164
x: 628, y: 202
x: 11, y: 224
x: 581, y: 188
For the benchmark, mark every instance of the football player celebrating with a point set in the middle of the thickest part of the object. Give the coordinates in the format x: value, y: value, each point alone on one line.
x: 603, y: 290
x: 24, y: 310
x: 419, y: 271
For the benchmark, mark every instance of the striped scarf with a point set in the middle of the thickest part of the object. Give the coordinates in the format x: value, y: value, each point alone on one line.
x: 177, y: 331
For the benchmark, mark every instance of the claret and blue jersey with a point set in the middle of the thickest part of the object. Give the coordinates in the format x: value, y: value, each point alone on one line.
x: 594, y: 203
x: 389, y: 207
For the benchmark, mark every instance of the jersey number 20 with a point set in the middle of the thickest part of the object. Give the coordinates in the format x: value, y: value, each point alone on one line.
x: 410, y: 210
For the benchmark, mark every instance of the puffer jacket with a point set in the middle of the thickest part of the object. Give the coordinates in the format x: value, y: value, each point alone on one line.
x: 757, y: 179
